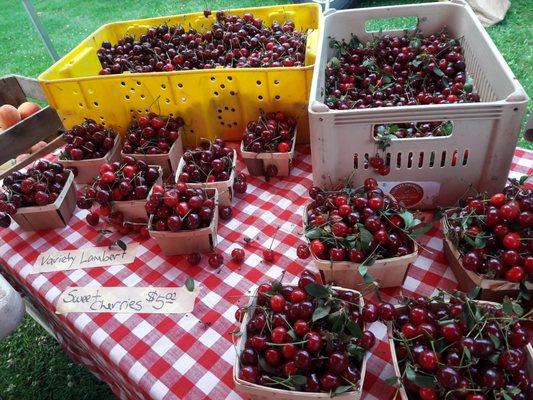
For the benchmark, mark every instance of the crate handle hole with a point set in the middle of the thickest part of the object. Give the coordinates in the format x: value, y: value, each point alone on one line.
x: 410, y: 160
x: 138, y: 83
x: 212, y: 78
x: 366, y: 158
x: 399, y: 160
x: 443, y: 159
x: 142, y: 96
x: 215, y: 93
x: 432, y: 159
x: 465, y: 157
x: 391, y: 24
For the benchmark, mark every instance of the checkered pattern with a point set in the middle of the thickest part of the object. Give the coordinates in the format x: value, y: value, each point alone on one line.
x: 144, y: 356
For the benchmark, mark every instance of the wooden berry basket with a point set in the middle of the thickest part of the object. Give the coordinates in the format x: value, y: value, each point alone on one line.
x: 133, y: 209
x: 50, y: 216
x: 259, y: 392
x: 389, y: 272
x: 257, y: 162
x: 491, y: 289
x: 89, y: 169
x: 224, y: 188
x: 168, y: 162
x: 401, y: 390
x: 201, y: 240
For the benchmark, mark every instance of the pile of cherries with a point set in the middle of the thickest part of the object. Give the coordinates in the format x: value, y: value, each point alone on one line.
x: 353, y: 225
x: 494, y: 235
x: 397, y: 71
x: 39, y: 185
x: 414, y: 129
x: 232, y: 42
x: 152, y: 134
x: 459, y: 349
x: 307, y: 337
x: 210, y: 162
x: 272, y: 133
x: 130, y: 179
x: 87, y: 141
x: 178, y: 208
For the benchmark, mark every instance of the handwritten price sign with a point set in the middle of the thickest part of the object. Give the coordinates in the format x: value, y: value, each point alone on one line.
x: 134, y: 300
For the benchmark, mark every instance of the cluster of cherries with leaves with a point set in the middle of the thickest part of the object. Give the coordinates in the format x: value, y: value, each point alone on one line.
x: 232, y: 42
x: 271, y: 133
x: 178, y: 208
x: 152, y: 134
x: 129, y: 179
x: 39, y: 185
x: 397, y: 71
x: 305, y: 337
x: 358, y: 225
x: 461, y: 349
x: 494, y: 235
x: 87, y: 140
x: 209, y: 162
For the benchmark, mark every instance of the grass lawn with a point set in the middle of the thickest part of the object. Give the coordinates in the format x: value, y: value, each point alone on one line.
x: 32, y: 365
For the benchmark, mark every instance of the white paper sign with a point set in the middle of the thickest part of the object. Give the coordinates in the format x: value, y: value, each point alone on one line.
x: 128, y: 300
x: 84, y: 258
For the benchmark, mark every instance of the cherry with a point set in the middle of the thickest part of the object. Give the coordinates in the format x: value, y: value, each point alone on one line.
x: 312, y: 384
x: 428, y: 360
x: 237, y: 255
x: 92, y: 219
x: 273, y: 357
x: 5, y: 220
x: 409, y: 330
x: 518, y: 337
x: 298, y: 295
x: 302, y: 359
x: 314, y: 342
x: 515, y: 274
x: 249, y: 373
x: 194, y: 258
x: 277, y: 303
x: 288, y: 351
x: 428, y: 394
x: 448, y: 377
x: 301, y: 328
x: 279, y: 335
x: 317, y: 247
x: 511, y: 241
x: 498, y: 200
x: 451, y: 332
x: 370, y: 183
x: 329, y: 381
x: 370, y: 313
x: 386, y: 311
x: 303, y: 252
x: 512, y: 359
x: 367, y: 340
x: 215, y: 260
x: 249, y: 357
x: 493, y: 378
x: 338, y: 362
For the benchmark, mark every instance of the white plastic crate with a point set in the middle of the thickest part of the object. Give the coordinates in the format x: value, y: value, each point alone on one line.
x: 478, y: 153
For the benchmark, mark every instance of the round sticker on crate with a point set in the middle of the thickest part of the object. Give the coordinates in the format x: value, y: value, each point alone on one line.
x: 409, y: 193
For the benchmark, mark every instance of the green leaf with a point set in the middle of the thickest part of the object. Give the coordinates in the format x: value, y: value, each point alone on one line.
x: 392, y: 381
x: 416, y: 63
x: 446, y: 128
x: 425, y: 382
x: 343, y: 389
x: 415, y: 43
x: 437, y: 71
x: 189, y: 284
x: 467, y: 353
x: 338, y: 323
x: 408, y: 219
x: 317, y: 290
x: 368, y: 63
x: 121, y: 244
x: 410, y: 374
x: 334, y: 62
x: 266, y: 366
x: 299, y: 380
x: 368, y: 278
x: 314, y: 233
x: 495, y: 340
x: 363, y: 269
x: 292, y: 334
x: 469, y: 84
x: 494, y: 357
x: 354, y: 329
x: 507, y: 306
x: 421, y: 231
x: 506, y: 396
x: 479, y: 242
x: 320, y: 312
x: 474, y: 292
x: 365, y: 236
x: 517, y: 308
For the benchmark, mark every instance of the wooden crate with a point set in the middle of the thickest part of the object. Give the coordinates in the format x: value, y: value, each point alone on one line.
x: 257, y: 162
x: 389, y: 272
x: 491, y: 289
x: 133, y: 209
x: 259, y: 392
x: 89, y: 169
x: 45, y: 123
x: 169, y: 162
x: 201, y: 240
x: 50, y: 216
x: 401, y: 390
x: 224, y: 188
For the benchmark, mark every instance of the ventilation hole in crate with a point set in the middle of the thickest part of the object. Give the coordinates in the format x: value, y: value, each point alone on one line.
x: 127, y: 97
x: 171, y: 114
x: 143, y: 96
x: 355, y: 161
x: 167, y: 100
x: 215, y: 93
x: 123, y: 83
x: 219, y: 111
x: 221, y: 122
x: 432, y: 159
x: 260, y: 97
x: 366, y: 163
x: 212, y: 78
x: 235, y: 124
x: 465, y: 157
x: 232, y: 93
x: 222, y: 86
x: 258, y: 83
x: 95, y: 103
x: 277, y: 97
x: 230, y: 78
x: 132, y: 90
x: 399, y: 160
x: 421, y: 160
x: 90, y: 91
x: 138, y: 83
x: 454, y: 158
x: 180, y: 85
x: 232, y: 110
x: 276, y: 82
x: 163, y: 86
x: 387, y: 159
x: 219, y: 117
x: 146, y: 110
x: 226, y: 108
x: 75, y: 92
x: 81, y: 105
x: 410, y: 160
x: 443, y: 159
x: 139, y: 111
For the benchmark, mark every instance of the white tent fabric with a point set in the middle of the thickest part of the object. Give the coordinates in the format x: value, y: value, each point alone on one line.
x: 489, y: 12
x: 11, y: 308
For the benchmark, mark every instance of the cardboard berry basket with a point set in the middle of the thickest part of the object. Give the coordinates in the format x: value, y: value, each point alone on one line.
x: 168, y: 162
x: 50, y: 216
x: 257, y: 162
x: 201, y: 240
x: 260, y: 392
x: 89, y: 169
x: 388, y: 272
x: 133, y: 209
x: 224, y: 188
x: 401, y: 390
x: 491, y: 289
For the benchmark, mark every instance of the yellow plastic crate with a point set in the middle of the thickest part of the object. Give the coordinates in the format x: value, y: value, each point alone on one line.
x: 214, y: 103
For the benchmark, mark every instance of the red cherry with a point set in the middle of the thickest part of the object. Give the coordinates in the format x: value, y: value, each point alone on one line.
x: 317, y: 247
x: 375, y: 203
x: 268, y: 255
x: 108, y: 177
x: 314, y: 342
x: 284, y: 147
x: 237, y: 255
x: 367, y: 340
x: 428, y: 360
x: 386, y: 311
x: 298, y: 295
x: 277, y: 303
x: 515, y: 274
x: 303, y: 252
x: 370, y: 313
x: 215, y: 260
x: 370, y: 183
x: 301, y: 328
x: 428, y: 394
x: 409, y: 330
x: 279, y: 335
x: 498, y: 200
x: 511, y: 241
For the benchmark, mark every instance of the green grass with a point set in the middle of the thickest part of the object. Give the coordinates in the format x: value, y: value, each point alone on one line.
x: 32, y: 365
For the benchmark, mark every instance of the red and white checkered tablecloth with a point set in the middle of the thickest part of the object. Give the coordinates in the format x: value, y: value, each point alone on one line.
x: 147, y: 356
